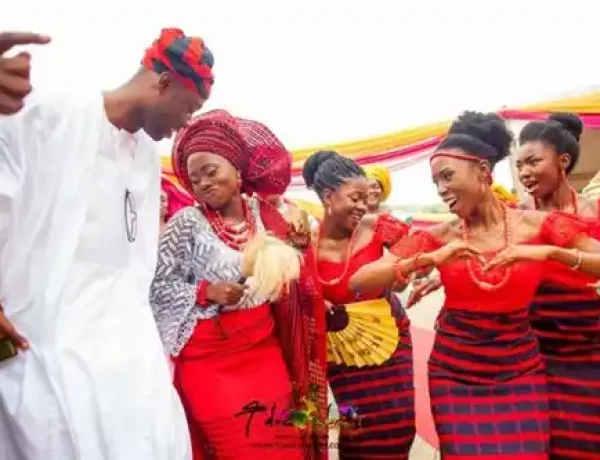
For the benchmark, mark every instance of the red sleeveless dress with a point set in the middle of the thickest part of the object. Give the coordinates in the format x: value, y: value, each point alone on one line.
x: 487, y: 378
x: 382, y: 396
x: 565, y: 316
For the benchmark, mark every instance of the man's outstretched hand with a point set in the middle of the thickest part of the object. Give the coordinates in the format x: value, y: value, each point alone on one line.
x: 15, y: 84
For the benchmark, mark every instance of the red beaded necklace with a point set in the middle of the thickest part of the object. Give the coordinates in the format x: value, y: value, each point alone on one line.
x: 347, y: 261
x: 234, y: 236
x: 506, y: 231
x: 574, y: 201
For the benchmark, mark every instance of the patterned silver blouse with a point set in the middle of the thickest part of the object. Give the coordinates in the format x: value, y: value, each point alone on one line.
x: 189, y: 252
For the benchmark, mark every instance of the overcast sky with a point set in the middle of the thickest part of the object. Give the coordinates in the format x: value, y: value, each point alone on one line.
x: 327, y: 71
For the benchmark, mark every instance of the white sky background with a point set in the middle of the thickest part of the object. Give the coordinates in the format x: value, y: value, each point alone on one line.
x: 327, y: 71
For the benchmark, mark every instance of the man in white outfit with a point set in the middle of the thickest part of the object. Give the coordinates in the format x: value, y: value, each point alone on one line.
x: 79, y: 208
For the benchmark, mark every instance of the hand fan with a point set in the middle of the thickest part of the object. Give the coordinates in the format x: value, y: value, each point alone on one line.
x: 298, y: 219
x: 269, y: 265
x: 369, y: 339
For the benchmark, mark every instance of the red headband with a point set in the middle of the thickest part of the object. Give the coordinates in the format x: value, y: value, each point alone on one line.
x: 463, y: 156
x: 454, y: 154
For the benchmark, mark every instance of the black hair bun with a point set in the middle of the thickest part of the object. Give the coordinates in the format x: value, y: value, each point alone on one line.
x: 313, y: 163
x: 570, y: 122
x: 489, y: 128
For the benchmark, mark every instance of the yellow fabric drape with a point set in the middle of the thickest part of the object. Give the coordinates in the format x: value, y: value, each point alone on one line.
x: 584, y: 103
x: 165, y: 165
x: 379, y: 144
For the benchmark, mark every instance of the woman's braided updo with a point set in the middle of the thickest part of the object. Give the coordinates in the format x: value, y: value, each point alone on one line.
x: 328, y: 170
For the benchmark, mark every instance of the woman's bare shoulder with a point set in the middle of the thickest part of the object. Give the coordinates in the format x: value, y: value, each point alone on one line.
x: 529, y: 216
x: 368, y: 221
x: 527, y: 223
x: 444, y: 232
x: 526, y: 204
x: 367, y: 225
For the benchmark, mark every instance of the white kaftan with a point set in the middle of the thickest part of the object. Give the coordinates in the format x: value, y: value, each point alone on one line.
x: 95, y: 384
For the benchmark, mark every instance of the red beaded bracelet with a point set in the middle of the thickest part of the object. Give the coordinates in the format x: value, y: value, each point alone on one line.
x: 401, y: 278
x: 418, y: 265
x: 201, y: 291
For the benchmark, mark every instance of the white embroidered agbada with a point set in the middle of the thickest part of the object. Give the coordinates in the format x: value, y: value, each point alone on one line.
x: 95, y: 384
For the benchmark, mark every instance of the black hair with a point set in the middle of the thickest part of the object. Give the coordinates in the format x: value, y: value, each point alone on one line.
x: 561, y: 131
x: 328, y: 170
x: 484, y: 135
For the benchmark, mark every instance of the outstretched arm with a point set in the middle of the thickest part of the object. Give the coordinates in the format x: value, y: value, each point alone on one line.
x: 392, y: 269
x: 388, y: 271
x: 584, y: 255
x: 565, y: 240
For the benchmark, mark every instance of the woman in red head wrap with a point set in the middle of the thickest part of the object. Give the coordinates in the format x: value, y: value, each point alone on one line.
x: 242, y: 362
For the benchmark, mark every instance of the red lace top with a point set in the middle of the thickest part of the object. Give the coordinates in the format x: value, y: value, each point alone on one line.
x: 388, y: 231
x: 559, y: 275
x: 462, y: 292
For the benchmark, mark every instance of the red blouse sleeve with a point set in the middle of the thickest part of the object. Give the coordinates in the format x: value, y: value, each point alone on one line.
x: 417, y: 242
x: 561, y: 229
x: 389, y: 230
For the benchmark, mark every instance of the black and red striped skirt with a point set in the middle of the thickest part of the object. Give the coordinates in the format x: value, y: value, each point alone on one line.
x: 488, y: 389
x: 384, y: 400
x: 568, y: 329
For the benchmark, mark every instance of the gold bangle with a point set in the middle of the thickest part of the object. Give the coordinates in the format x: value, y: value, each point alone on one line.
x: 577, y: 265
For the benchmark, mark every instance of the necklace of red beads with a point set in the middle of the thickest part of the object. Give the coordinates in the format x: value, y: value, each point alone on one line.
x: 237, y: 235
x: 347, y: 260
x: 506, y: 232
x: 574, y: 201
